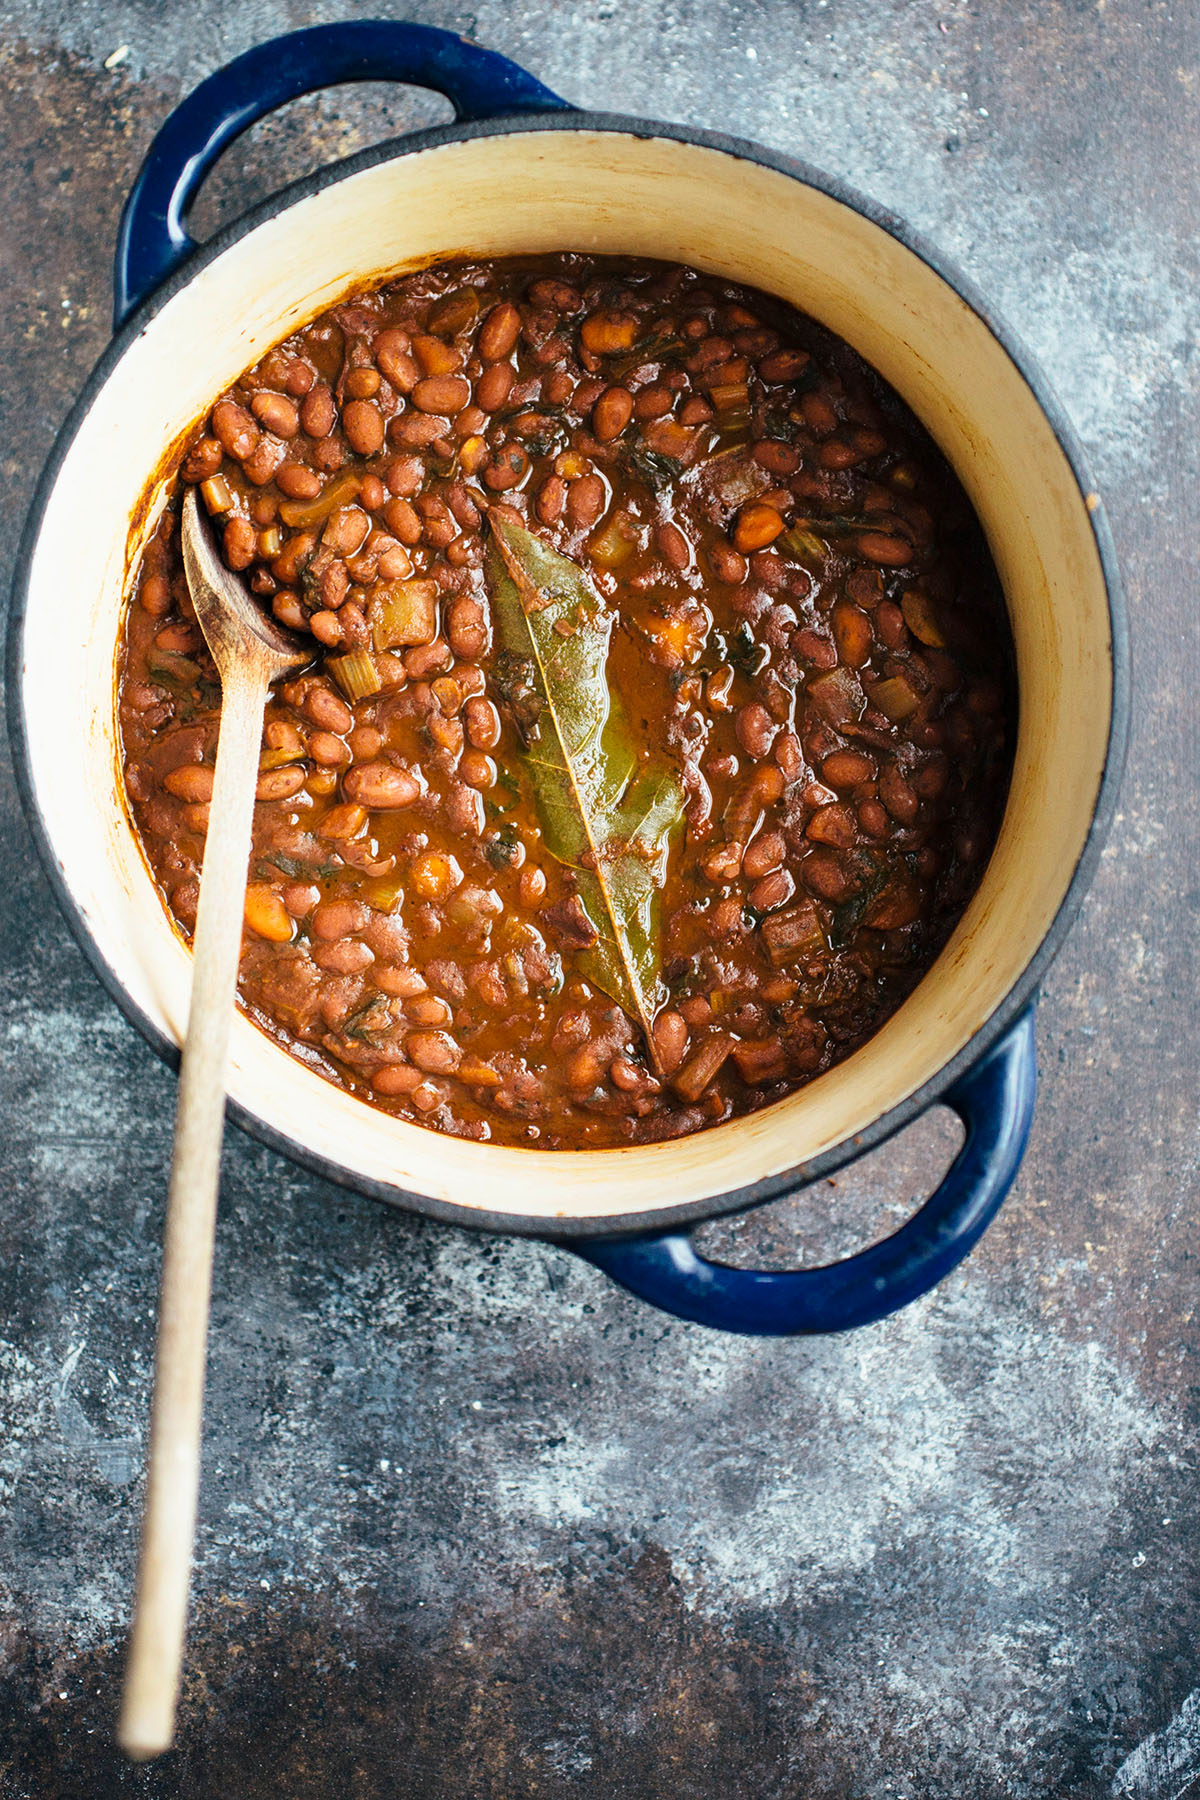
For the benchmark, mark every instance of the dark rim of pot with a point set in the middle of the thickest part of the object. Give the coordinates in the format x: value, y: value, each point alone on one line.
x: 1023, y: 989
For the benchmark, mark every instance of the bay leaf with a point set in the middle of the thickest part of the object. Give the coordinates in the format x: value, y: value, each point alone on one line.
x: 607, y: 811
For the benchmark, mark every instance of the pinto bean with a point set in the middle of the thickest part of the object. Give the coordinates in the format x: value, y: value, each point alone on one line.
x: 403, y: 520
x: 494, y: 386
x: 292, y: 558
x: 464, y: 810
x: 467, y: 627
x: 235, y: 429
x: 346, y: 530
x: 365, y: 743
x: 532, y: 886
x: 381, y: 785
x: 328, y: 710
x: 279, y: 784
x: 416, y: 430
x: 300, y: 897
x: 184, y: 638
x: 193, y: 782
x: 788, y: 757
x: 423, y: 660
x: 335, y: 585
x: 445, y: 394
x: 670, y: 1033
x: 558, y: 387
x: 328, y: 454
x: 297, y: 481
x: 775, y: 889
x: 508, y: 467
x: 477, y: 769
x: 930, y: 780
x: 755, y: 729
x: 784, y: 365
x: 371, y: 493
x: 391, y: 349
x: 764, y: 854
x: 653, y: 403
x: 823, y: 874
x: 465, y: 511
x: 889, y: 620
x: 363, y: 383
x: 437, y: 527
x: 551, y: 500
x: 818, y: 413
x: 404, y: 475
x: 672, y: 544
x: 346, y: 957
x: 203, y: 461
x: 846, y: 768
x: 873, y: 819
x: 884, y: 548
x: 240, y: 543
x: 727, y: 564
x: 433, y: 1052
x: 329, y: 751
x: 482, y: 723
x: 394, y: 1079
x: 900, y: 799
x: 277, y: 413
x: 585, y: 501
x: 723, y: 863
x: 281, y: 734
x: 338, y: 918
x: 266, y: 915
x: 345, y: 820
x: 362, y: 423
x: 499, y: 332
x: 318, y: 415
x: 326, y: 628
x: 612, y: 413
x: 834, y: 454
x: 428, y: 1009
x: 287, y: 609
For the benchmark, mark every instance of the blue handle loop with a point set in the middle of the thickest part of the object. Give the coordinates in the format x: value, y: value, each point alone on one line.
x: 153, y: 241
x: 994, y: 1100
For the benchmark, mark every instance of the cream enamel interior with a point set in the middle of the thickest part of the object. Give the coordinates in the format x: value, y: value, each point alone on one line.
x: 611, y: 192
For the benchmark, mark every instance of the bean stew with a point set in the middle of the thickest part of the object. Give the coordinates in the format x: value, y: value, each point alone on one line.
x: 658, y: 724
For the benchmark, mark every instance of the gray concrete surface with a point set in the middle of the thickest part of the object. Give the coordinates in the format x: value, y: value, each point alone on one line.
x: 474, y: 1524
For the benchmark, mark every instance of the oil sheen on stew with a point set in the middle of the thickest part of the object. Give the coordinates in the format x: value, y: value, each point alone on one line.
x: 659, y: 717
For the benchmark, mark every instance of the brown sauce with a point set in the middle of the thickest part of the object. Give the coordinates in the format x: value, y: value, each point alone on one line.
x: 805, y: 635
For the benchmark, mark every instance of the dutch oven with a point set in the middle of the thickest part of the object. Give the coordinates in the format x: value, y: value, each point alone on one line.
x: 522, y: 171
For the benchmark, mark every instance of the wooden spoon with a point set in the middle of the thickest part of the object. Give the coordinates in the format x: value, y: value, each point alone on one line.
x: 250, y: 653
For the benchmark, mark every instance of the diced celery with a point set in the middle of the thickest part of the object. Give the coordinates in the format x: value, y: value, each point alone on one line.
x: 403, y: 612
x: 339, y: 492
x: 355, y: 674
x: 804, y: 544
x: 894, y: 698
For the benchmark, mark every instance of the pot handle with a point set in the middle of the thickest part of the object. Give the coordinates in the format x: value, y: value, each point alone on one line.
x: 994, y: 1100
x: 152, y: 240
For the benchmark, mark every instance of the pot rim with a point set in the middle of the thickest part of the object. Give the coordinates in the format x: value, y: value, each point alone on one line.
x: 1019, y: 995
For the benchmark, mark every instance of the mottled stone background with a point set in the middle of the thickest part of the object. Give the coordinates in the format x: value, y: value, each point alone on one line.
x: 475, y: 1525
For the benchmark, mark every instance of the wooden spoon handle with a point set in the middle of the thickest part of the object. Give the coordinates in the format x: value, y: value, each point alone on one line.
x: 147, y: 1721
